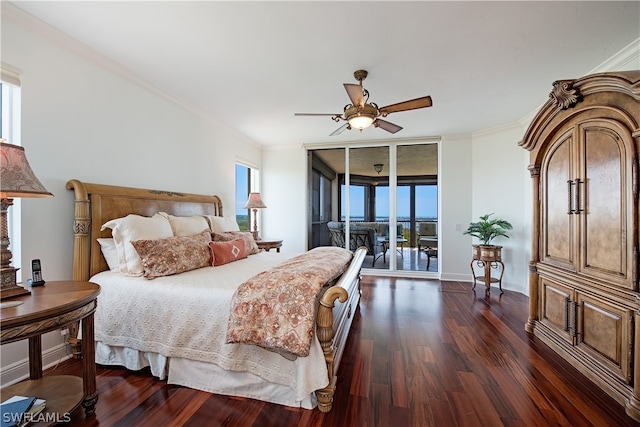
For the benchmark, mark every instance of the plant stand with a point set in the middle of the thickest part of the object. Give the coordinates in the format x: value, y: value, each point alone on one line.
x: 487, y: 257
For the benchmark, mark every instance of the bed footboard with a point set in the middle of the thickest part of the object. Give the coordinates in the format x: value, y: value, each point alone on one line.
x: 335, y: 315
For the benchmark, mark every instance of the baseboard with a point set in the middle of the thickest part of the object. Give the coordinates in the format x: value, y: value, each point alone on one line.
x: 522, y: 288
x: 455, y: 277
x: 19, y: 371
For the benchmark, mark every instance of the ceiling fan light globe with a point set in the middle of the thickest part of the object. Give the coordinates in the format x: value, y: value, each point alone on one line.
x: 360, y: 122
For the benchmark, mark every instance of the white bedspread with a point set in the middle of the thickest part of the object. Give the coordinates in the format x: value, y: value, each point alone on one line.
x: 186, y: 315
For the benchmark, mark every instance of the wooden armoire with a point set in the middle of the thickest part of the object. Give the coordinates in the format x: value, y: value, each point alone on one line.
x: 584, y: 147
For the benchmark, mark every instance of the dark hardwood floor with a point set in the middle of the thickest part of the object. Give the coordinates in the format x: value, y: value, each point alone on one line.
x: 422, y: 353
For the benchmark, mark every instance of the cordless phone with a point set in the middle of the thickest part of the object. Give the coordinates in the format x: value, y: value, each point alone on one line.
x: 36, y: 273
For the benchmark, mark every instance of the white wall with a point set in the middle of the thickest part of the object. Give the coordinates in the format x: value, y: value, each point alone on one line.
x: 480, y: 173
x: 454, y: 175
x: 501, y: 182
x: 82, y: 120
x: 499, y: 187
x: 284, y: 181
x: 284, y: 188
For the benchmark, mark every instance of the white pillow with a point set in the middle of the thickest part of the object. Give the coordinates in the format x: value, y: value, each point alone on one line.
x: 110, y: 253
x: 220, y: 224
x: 186, y: 225
x: 136, y: 227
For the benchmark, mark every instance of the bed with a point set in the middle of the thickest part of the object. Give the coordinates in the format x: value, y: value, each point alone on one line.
x: 180, y: 315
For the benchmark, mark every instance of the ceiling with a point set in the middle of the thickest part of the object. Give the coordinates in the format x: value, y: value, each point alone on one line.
x: 252, y: 65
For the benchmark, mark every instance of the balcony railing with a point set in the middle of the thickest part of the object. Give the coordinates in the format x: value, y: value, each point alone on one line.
x: 407, y: 226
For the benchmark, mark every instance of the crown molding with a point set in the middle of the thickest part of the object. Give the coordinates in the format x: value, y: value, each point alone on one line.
x: 627, y: 58
x: 13, y: 13
x: 9, y: 74
x: 457, y: 137
x: 620, y: 61
x: 628, y: 55
x: 515, y: 126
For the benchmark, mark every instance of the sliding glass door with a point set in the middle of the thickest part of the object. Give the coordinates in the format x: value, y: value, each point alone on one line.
x: 323, y: 166
x: 380, y: 196
x: 369, y: 219
x: 417, y: 205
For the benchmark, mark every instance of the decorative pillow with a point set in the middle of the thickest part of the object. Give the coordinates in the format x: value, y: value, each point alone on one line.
x: 220, y: 224
x: 252, y: 246
x: 228, y: 251
x: 186, y: 225
x: 110, y: 253
x: 172, y: 255
x: 135, y: 227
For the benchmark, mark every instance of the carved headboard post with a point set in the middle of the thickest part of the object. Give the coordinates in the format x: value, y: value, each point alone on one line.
x: 81, y: 228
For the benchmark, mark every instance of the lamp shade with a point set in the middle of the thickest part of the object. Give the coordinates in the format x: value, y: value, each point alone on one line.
x: 254, y: 202
x: 16, y: 177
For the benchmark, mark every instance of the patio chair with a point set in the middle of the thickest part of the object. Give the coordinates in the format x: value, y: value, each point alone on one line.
x: 428, y: 238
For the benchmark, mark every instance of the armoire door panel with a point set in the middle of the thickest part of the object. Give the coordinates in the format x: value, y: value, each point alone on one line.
x: 604, y: 332
x: 557, y: 224
x: 554, y: 310
x: 605, y: 247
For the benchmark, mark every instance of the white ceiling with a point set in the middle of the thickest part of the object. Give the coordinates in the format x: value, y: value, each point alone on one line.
x: 252, y: 65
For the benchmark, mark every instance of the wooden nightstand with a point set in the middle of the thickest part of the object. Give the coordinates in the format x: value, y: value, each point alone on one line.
x: 49, y: 308
x: 267, y: 244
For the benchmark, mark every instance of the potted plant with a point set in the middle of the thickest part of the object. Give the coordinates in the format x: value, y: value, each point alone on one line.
x: 486, y: 230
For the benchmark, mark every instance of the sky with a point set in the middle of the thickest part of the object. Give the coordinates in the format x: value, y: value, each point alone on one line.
x: 426, y: 196
x: 426, y: 206
x: 241, y: 189
x: 426, y: 202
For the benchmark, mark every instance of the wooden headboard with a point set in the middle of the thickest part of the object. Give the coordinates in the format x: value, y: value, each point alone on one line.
x: 96, y: 204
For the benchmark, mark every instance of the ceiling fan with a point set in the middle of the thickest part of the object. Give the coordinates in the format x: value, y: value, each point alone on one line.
x: 361, y: 113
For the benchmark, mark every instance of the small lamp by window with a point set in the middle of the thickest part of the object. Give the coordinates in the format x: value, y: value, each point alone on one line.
x: 16, y: 180
x: 254, y: 203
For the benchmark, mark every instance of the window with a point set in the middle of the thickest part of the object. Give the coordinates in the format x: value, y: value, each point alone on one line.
x: 321, y: 201
x: 10, y: 131
x: 10, y: 112
x: 246, y: 182
x: 356, y: 203
x: 427, y: 202
x: 382, y: 203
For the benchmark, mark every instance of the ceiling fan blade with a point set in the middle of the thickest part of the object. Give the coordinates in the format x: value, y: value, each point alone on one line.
x: 340, y: 129
x: 316, y: 114
x: 413, y: 104
x: 355, y: 94
x: 388, y: 126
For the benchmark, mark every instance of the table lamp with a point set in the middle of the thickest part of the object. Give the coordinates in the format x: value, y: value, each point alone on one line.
x: 255, y: 202
x: 16, y: 180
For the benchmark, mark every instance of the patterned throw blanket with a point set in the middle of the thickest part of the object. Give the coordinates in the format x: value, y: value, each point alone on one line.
x: 276, y: 308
